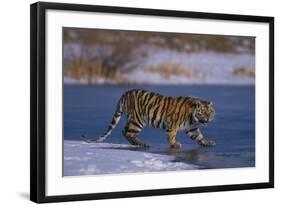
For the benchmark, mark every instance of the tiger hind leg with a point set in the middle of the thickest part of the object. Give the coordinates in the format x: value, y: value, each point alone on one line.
x: 131, y: 133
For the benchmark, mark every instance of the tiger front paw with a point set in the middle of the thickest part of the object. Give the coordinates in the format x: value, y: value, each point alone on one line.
x: 177, y: 145
x: 207, y: 143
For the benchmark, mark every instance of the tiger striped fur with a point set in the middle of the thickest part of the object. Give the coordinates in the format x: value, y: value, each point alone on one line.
x: 172, y: 114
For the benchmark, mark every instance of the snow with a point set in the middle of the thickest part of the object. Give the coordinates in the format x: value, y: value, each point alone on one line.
x: 208, y: 68
x: 81, y: 158
x: 70, y: 81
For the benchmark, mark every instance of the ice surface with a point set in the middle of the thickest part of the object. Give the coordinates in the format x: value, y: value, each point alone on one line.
x: 81, y: 158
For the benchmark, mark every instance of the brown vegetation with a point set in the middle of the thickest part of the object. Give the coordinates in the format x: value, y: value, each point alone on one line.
x: 174, y: 41
x: 93, y: 71
x: 244, y: 72
x: 168, y: 69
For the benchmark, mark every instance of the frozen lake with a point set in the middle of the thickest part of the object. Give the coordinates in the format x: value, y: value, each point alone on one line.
x: 89, y: 109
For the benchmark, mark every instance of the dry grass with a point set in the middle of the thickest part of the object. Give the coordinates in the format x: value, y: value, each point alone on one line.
x: 244, y: 72
x: 175, y: 41
x: 168, y: 69
x: 92, y: 71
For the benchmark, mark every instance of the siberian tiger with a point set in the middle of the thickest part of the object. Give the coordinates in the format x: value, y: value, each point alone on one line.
x: 172, y: 114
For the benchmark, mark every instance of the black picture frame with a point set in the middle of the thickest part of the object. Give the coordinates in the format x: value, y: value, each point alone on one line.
x: 38, y: 100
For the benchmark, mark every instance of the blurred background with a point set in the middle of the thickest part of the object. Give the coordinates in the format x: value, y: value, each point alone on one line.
x: 94, y: 56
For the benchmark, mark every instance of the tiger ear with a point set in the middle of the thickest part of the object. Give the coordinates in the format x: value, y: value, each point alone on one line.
x: 207, y: 103
x: 196, y: 104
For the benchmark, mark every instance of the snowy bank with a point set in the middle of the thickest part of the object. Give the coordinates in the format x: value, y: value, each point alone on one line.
x: 193, y: 68
x: 82, y: 158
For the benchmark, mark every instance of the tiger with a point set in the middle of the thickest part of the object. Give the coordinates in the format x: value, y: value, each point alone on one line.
x: 172, y: 114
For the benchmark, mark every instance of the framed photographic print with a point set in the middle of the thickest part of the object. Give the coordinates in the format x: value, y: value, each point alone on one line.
x: 129, y: 102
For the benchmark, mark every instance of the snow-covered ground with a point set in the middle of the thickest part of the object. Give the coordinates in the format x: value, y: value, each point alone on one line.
x: 81, y: 158
x: 207, y: 68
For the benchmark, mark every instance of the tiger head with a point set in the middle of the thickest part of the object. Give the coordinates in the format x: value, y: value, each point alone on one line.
x: 203, y: 111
